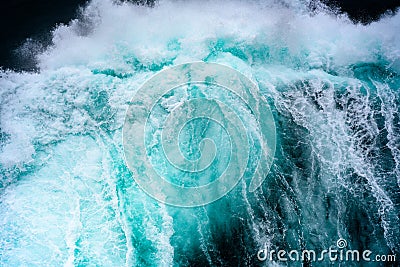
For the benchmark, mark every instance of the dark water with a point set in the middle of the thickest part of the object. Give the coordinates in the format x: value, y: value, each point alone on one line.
x: 23, y: 19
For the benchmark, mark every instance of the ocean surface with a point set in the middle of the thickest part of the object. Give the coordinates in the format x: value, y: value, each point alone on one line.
x: 67, y: 197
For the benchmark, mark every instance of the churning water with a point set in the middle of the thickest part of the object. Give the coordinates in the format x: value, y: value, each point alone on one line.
x: 68, y: 198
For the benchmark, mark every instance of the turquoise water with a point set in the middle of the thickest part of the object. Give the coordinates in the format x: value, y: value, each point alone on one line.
x: 67, y: 197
